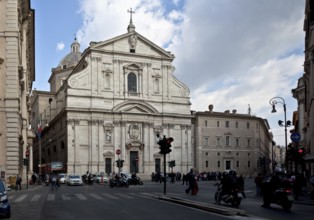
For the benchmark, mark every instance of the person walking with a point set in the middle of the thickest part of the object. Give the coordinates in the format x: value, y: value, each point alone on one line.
x: 241, y: 185
x: 34, y: 178
x: 18, y: 182
x: 54, y: 182
x: 191, y: 179
x: 258, y: 181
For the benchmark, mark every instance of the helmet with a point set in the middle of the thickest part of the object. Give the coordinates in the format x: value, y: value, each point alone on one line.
x: 278, y: 170
x: 232, y: 172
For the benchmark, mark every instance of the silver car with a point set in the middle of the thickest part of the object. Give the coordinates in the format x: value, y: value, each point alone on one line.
x: 74, y: 180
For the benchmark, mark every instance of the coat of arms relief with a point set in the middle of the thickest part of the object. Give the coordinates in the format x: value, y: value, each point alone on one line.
x: 134, y: 131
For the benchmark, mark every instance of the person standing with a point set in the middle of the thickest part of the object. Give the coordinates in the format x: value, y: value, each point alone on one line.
x: 18, y: 182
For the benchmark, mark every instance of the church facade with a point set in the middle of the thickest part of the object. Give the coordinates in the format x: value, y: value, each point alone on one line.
x: 109, y: 103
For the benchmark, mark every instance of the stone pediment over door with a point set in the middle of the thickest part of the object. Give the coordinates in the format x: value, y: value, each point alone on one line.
x: 135, y: 107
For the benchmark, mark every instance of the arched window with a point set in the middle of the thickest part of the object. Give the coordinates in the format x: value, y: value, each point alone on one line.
x: 132, y: 83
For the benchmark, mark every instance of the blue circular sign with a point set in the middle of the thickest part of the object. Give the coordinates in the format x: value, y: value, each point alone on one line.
x: 295, y: 137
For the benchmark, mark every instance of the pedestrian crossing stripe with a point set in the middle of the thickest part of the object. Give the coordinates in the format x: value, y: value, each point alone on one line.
x: 35, y: 198
x: 66, y: 197
x: 21, y: 198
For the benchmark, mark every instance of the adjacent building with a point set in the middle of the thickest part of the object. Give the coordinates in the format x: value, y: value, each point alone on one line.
x: 232, y: 141
x: 304, y: 92
x: 17, y: 72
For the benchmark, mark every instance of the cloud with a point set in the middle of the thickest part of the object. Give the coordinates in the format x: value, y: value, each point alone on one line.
x: 60, y: 46
x: 229, y: 53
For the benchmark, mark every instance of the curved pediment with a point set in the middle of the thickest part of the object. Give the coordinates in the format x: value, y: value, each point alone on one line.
x: 135, y: 107
x: 108, y: 154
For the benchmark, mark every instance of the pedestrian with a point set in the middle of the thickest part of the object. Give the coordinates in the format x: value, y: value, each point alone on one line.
x: 191, y: 179
x: 34, y: 178
x: 184, y: 180
x: 241, y: 185
x: 258, y: 181
x: 18, y: 182
x: 54, y: 182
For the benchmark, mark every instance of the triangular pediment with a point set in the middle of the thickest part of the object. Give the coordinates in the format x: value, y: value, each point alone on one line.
x: 135, y: 107
x: 132, y: 41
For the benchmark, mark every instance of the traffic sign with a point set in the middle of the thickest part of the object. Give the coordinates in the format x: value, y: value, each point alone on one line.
x: 118, y: 151
x: 295, y: 137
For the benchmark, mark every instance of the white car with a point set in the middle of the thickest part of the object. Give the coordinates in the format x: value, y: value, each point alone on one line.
x: 62, y: 177
x: 74, y: 180
x: 101, y: 178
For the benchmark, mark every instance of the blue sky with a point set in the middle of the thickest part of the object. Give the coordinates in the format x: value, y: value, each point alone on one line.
x: 230, y: 53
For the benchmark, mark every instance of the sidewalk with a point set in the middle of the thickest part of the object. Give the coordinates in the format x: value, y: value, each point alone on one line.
x: 305, y: 200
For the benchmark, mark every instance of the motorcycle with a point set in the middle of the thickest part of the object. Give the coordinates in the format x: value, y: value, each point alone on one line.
x: 234, y: 197
x: 135, y: 181
x: 120, y: 182
x: 283, y: 197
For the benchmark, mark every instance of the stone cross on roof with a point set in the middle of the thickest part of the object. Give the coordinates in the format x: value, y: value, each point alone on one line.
x: 131, y: 12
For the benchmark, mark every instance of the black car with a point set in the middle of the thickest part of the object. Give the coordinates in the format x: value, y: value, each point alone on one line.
x: 5, y: 207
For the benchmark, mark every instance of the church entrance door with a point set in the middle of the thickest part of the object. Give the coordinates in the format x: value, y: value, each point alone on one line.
x: 134, y: 161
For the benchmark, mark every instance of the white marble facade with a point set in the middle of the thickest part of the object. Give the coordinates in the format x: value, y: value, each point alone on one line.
x: 118, y: 97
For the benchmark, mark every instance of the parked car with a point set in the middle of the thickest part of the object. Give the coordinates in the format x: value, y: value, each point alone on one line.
x: 5, y: 207
x: 74, y: 180
x: 101, y: 178
x: 62, y: 177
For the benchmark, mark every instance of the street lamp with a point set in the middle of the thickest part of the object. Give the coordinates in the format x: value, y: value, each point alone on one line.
x: 273, y: 101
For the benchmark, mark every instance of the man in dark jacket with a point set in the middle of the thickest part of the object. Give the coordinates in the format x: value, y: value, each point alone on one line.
x: 191, y: 179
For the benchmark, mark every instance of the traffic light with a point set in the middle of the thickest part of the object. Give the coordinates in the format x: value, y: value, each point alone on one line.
x: 165, y: 145
x: 25, y: 161
x: 119, y: 163
x: 172, y: 163
x: 301, y: 153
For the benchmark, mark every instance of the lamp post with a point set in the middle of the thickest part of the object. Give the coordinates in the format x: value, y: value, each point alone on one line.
x: 273, y: 102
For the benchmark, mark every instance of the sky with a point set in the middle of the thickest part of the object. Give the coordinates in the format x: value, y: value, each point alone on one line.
x: 233, y: 54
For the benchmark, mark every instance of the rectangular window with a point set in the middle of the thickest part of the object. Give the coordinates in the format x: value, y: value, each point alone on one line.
x: 249, y: 164
x: 218, y: 141
x: 217, y: 124
x: 237, y: 142
x: 206, y: 123
x: 218, y: 163
x: 206, y: 163
x: 248, y: 125
x: 206, y: 154
x: 227, y: 140
x: 238, y: 164
x: 237, y: 124
x: 227, y: 124
x: 248, y: 142
x: 206, y: 141
x: 218, y: 154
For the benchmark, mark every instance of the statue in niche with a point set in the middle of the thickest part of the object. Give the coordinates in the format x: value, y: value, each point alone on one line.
x: 108, y: 136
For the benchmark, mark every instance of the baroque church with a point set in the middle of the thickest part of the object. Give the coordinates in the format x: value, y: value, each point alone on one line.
x: 110, y: 102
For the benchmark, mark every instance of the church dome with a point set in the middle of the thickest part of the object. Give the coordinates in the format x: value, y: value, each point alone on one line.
x: 72, y: 58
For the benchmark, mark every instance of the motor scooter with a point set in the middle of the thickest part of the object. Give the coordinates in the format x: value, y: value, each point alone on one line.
x: 118, y: 182
x: 234, y: 197
x: 283, y: 197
